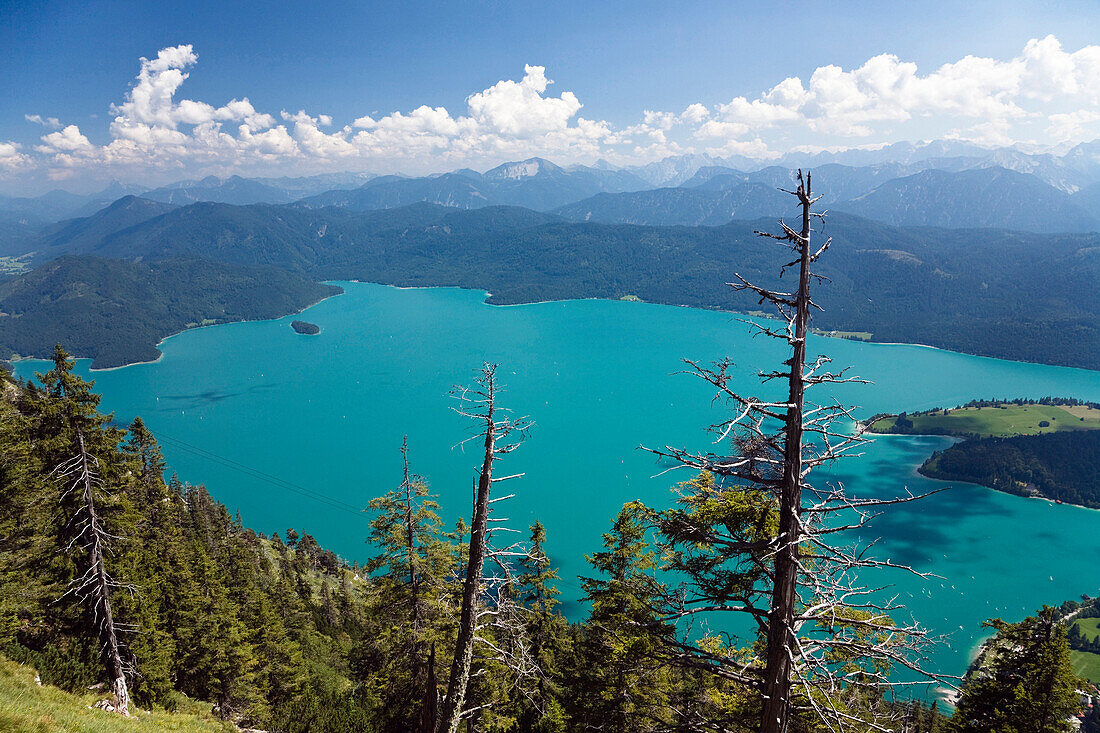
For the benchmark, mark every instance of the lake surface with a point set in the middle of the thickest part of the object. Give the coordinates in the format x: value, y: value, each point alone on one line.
x: 257, y: 413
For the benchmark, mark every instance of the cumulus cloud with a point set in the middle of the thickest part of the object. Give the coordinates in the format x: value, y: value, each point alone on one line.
x: 1044, y: 93
x: 520, y: 109
x: 885, y: 91
x: 11, y: 159
x: 695, y: 113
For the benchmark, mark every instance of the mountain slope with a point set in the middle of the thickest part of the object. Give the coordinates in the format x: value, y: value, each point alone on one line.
x: 388, y: 192
x: 988, y: 197
x: 681, y: 206
x: 116, y: 311
x: 82, y: 235
x: 233, y: 190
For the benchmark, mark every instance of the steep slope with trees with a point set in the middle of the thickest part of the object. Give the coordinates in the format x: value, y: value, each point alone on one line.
x: 115, y: 311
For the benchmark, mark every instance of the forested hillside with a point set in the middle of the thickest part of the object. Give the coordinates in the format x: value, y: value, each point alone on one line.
x: 278, y: 633
x: 995, y: 293
x: 116, y: 311
x: 1061, y: 465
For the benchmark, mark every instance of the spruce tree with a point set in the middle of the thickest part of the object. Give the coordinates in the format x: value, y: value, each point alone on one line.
x: 1024, y: 682
x: 548, y: 632
x: 628, y: 682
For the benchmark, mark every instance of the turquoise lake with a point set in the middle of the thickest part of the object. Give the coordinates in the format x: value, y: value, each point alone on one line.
x: 327, y: 413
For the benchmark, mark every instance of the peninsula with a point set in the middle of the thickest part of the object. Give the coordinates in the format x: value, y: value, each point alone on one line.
x: 1047, y: 448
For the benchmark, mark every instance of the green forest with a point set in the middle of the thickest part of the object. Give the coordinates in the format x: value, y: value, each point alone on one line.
x: 956, y: 289
x: 278, y: 633
x: 1059, y: 465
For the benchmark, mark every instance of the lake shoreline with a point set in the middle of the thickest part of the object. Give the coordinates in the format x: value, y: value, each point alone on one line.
x: 158, y: 345
x: 487, y: 295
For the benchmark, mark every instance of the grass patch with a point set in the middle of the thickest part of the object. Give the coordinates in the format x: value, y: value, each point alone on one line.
x: 27, y: 707
x: 1087, y: 665
x: 1090, y: 627
x: 1003, y: 421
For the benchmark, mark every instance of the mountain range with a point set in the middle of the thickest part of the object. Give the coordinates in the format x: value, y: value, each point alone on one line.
x: 988, y: 252
x: 993, y: 292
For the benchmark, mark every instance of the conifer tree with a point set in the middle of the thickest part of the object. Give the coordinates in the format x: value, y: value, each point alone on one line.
x: 414, y: 567
x: 1024, y: 683
x: 628, y: 681
x: 541, y: 711
x: 141, y: 444
x: 74, y: 433
x: 23, y: 590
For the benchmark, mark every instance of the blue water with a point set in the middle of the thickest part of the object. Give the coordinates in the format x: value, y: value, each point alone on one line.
x: 327, y: 414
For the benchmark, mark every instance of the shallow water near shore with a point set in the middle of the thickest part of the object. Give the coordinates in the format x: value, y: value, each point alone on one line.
x: 259, y: 414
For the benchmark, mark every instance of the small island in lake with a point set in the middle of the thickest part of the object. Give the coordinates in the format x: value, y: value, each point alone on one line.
x: 306, y: 328
x: 1047, y: 448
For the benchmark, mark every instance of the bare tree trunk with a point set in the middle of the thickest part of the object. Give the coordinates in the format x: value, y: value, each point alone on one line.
x: 790, y: 590
x: 781, y: 631
x: 95, y: 585
x: 464, y: 646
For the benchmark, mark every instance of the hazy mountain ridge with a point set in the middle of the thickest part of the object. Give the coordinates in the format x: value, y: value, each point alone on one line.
x: 985, y: 197
x: 534, y: 183
x: 972, y: 198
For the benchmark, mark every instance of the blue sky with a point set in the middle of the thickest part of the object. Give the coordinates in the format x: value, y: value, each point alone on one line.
x: 351, y: 61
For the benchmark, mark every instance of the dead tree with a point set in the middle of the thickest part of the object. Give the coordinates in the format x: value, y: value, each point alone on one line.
x: 801, y: 589
x: 80, y: 476
x: 410, y: 545
x: 486, y: 598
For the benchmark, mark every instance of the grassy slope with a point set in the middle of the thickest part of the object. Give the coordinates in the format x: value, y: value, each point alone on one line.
x: 1086, y: 664
x: 1000, y: 422
x: 26, y: 707
x: 1090, y: 627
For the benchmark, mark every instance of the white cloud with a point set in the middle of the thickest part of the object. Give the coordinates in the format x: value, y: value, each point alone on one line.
x: 694, y: 114
x: 11, y: 159
x: 51, y: 122
x: 885, y: 92
x: 69, y: 140
x: 520, y: 109
x: 1043, y: 94
x: 1069, y: 126
x: 755, y: 148
x: 990, y: 134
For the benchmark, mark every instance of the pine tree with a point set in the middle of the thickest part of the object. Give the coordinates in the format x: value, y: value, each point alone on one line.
x: 413, y: 571
x: 541, y: 711
x: 77, y: 443
x: 628, y: 681
x: 1025, y: 683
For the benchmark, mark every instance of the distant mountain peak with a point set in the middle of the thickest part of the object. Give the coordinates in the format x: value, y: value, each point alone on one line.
x: 523, y: 169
